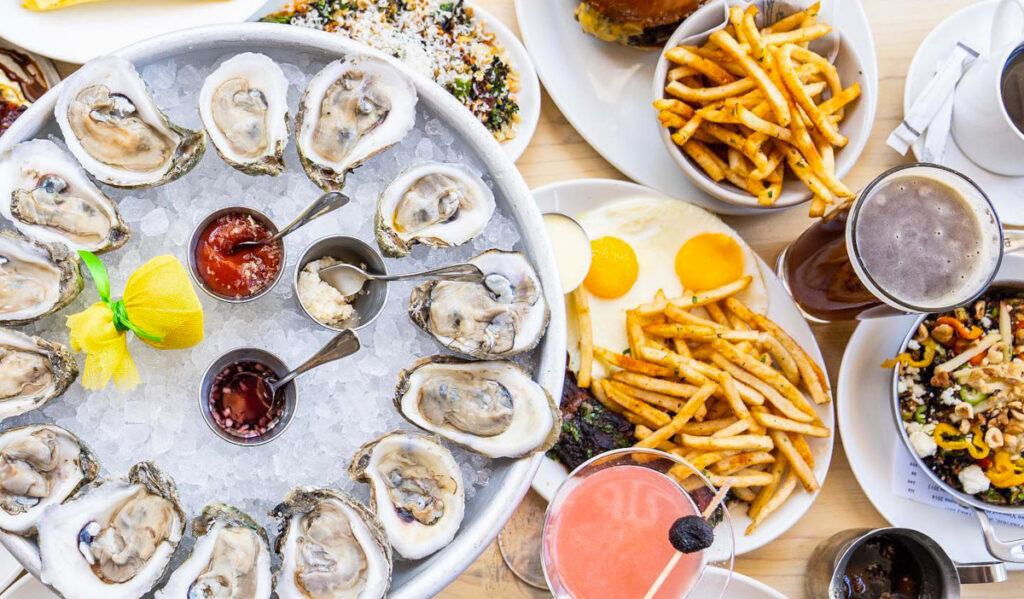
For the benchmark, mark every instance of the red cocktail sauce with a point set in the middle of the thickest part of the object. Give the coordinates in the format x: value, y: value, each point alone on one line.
x: 245, y: 273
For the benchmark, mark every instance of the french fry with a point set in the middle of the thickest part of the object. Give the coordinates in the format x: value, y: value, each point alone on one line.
x: 669, y: 429
x: 777, y: 470
x: 658, y: 400
x: 744, y: 460
x: 705, y: 158
x: 743, y: 478
x: 802, y: 447
x: 657, y: 385
x: 784, y: 59
x: 734, y: 429
x: 653, y: 415
x: 775, y: 98
x: 696, y: 300
x: 795, y: 407
x: 785, y: 424
x: 685, y: 56
x: 632, y: 364
x: 743, y: 442
x: 634, y: 333
x: 796, y: 462
x: 775, y: 502
x: 586, y: 332
x: 682, y: 316
x: 708, y: 427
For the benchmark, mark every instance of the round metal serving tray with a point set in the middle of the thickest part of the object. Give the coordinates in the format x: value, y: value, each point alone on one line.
x: 493, y: 503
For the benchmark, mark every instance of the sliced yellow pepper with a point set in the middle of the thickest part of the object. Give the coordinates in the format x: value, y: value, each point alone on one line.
x: 1004, y: 473
x: 975, y: 446
x: 906, y: 359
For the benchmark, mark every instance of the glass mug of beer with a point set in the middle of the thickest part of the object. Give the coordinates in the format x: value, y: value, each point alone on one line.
x: 920, y: 238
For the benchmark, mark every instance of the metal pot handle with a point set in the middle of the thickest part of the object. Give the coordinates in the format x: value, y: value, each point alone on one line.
x: 1007, y: 551
x: 981, y: 572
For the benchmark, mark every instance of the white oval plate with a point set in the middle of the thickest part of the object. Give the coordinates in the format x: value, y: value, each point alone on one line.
x: 519, y: 59
x: 740, y: 586
x: 574, y: 197
x: 972, y: 25
x: 78, y: 34
x: 870, y: 439
x: 604, y: 90
x: 28, y: 588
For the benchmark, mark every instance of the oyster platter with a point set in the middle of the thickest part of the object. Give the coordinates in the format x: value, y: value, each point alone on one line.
x: 400, y: 461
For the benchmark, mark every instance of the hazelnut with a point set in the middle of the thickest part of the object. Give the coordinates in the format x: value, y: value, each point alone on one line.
x: 965, y: 411
x: 1017, y: 414
x: 994, y: 438
x: 965, y: 426
x: 942, y: 333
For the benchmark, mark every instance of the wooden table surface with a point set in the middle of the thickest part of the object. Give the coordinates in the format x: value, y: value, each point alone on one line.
x: 558, y: 153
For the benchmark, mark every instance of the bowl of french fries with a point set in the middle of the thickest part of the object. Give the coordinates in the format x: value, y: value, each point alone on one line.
x: 720, y: 385
x: 753, y: 116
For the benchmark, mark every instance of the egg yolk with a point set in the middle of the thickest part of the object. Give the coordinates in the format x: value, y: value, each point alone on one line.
x: 613, y: 268
x: 709, y: 260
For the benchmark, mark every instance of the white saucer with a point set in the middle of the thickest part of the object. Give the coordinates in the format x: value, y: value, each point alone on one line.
x: 604, y: 90
x: 972, y: 25
x: 573, y: 197
x: 870, y: 437
x: 528, y: 95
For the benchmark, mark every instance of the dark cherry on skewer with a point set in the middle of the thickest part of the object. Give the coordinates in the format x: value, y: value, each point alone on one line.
x: 691, y: 534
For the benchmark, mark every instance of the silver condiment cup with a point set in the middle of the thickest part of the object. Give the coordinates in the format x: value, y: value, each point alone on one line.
x: 193, y: 242
x: 369, y: 303
x: 941, y: 577
x: 244, y: 354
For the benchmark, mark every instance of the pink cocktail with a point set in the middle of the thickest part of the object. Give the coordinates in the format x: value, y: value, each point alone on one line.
x: 606, y: 531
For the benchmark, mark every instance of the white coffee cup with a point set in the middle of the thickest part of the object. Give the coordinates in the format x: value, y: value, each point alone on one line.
x: 981, y: 125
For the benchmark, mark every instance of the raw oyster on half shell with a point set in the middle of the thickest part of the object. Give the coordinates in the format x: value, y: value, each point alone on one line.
x: 493, y: 408
x: 32, y: 372
x: 436, y: 204
x: 244, y: 108
x: 416, y: 490
x: 351, y: 110
x: 117, y: 132
x: 40, y: 465
x: 503, y: 316
x: 114, y: 539
x: 36, y: 279
x: 48, y: 197
x: 230, y: 559
x: 330, y: 546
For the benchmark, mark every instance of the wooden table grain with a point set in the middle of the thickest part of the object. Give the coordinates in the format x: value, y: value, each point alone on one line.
x: 558, y: 153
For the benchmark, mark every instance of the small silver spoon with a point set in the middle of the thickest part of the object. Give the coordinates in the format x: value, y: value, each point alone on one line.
x: 343, y: 344
x: 329, y: 202
x: 349, y: 279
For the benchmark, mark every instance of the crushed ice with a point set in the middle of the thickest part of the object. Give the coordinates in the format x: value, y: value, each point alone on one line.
x: 342, y: 405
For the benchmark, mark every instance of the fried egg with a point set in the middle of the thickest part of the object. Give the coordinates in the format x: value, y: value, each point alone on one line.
x: 642, y: 245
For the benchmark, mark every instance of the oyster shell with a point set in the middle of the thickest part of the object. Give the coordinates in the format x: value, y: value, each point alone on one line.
x: 501, y: 317
x: 230, y: 560
x: 114, y: 539
x: 49, y: 197
x: 436, y: 204
x: 493, y: 408
x: 116, y: 131
x: 36, y: 279
x: 32, y: 372
x: 244, y: 108
x: 416, y: 490
x: 330, y: 546
x: 352, y: 109
x: 40, y: 465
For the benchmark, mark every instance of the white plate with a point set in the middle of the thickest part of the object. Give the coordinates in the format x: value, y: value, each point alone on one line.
x: 28, y: 588
x: 863, y: 404
x: 972, y: 25
x: 80, y: 33
x: 573, y: 197
x: 740, y: 586
x: 604, y: 90
x: 519, y: 60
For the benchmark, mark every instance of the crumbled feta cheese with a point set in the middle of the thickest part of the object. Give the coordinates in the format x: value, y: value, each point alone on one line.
x: 986, y: 322
x: 948, y: 397
x: 914, y: 345
x: 921, y: 438
x: 973, y: 479
x: 901, y: 385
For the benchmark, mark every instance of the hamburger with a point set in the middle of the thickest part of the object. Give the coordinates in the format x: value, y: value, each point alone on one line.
x: 639, y: 23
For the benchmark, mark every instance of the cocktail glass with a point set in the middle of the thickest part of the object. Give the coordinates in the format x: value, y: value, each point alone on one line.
x: 606, y: 532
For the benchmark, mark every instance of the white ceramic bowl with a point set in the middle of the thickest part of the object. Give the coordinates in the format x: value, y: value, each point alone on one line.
x: 856, y: 126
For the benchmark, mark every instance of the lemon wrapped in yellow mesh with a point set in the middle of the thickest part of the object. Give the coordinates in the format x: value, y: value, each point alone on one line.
x: 159, y: 306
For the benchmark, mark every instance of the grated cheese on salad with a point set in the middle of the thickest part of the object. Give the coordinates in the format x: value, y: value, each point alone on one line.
x: 439, y: 38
